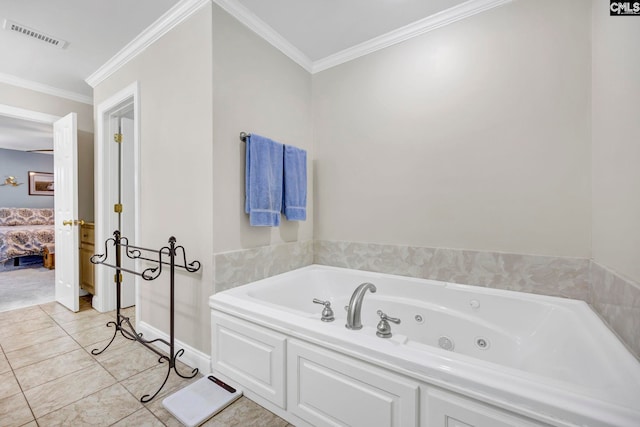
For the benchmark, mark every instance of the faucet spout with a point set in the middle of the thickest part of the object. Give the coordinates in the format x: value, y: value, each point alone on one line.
x: 355, y: 305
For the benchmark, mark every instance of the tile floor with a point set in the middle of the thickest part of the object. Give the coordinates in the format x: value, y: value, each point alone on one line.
x: 48, y: 376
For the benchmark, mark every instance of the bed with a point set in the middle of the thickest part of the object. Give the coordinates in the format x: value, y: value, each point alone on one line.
x: 25, y: 231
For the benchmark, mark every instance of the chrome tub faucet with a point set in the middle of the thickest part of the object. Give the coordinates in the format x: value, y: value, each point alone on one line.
x: 355, y: 305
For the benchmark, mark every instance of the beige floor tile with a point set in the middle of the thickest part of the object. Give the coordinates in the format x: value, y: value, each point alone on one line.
x: 51, y: 369
x: 245, y: 413
x: 94, y: 335
x: 28, y: 339
x: 140, y: 418
x: 27, y: 325
x: 68, y: 389
x: 53, y: 307
x: 70, y: 316
x: 162, y: 414
x: 30, y: 424
x: 39, y: 352
x: 126, y: 361
x: 83, y: 324
x: 116, y: 346
x: 21, y: 314
x: 147, y: 382
x: 14, y: 411
x: 108, y: 406
x: 4, y: 363
x: 129, y: 311
x: 8, y: 385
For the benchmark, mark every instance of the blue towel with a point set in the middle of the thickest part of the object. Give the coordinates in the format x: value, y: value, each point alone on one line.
x: 263, y: 181
x: 295, y: 183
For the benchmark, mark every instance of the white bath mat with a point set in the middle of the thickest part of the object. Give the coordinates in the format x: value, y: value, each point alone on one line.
x: 198, y: 402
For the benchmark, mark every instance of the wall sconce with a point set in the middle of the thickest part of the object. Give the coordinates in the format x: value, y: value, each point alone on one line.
x: 11, y: 180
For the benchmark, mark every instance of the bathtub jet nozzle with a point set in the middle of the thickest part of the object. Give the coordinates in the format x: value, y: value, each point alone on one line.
x: 355, y: 305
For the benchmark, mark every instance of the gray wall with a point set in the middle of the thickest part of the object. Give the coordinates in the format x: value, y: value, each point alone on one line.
x: 19, y: 163
x: 257, y: 89
x: 616, y: 141
x: 473, y: 136
x: 175, y: 79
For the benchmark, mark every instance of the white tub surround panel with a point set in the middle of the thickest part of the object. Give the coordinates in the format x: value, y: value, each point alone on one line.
x: 515, y: 359
x: 240, y: 267
x: 618, y: 302
x: 554, y: 276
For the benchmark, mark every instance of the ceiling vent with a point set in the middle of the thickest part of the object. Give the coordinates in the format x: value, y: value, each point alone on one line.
x: 34, y: 34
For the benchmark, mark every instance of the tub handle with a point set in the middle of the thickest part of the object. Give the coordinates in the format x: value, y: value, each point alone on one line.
x: 327, y: 312
x: 383, y: 328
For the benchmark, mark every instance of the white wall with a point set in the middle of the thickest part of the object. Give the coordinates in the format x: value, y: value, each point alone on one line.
x: 616, y: 141
x: 43, y: 103
x: 256, y: 89
x: 176, y: 179
x: 473, y: 136
x: 49, y: 104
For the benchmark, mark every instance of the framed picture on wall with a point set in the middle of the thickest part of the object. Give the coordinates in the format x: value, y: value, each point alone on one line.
x: 40, y: 183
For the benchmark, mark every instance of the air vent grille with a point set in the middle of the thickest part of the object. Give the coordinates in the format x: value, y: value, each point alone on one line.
x: 35, y: 34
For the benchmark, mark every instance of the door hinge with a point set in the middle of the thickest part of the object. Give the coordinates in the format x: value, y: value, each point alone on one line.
x: 117, y: 137
x: 117, y: 208
x: 115, y: 277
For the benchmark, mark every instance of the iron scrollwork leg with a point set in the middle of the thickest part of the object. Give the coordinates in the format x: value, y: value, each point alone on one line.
x: 122, y: 323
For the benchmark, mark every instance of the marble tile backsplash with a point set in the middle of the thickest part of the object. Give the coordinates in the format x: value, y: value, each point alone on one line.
x: 564, y: 277
x: 618, y: 302
x: 248, y: 265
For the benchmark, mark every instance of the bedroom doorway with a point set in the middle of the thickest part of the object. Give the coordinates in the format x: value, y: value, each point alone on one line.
x: 64, y: 251
x: 117, y: 190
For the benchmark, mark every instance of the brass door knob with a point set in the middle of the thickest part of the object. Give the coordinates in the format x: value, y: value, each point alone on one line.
x: 73, y: 222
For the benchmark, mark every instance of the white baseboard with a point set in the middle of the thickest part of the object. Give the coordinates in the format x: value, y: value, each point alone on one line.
x: 192, y: 357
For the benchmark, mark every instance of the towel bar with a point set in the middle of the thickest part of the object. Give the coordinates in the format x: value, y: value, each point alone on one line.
x: 244, y: 136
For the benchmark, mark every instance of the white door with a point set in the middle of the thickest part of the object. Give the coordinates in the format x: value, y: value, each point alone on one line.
x: 65, y: 165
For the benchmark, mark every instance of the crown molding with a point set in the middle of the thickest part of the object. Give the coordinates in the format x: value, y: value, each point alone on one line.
x: 43, y: 88
x: 258, y: 26
x: 174, y: 16
x: 186, y: 8
x: 446, y: 17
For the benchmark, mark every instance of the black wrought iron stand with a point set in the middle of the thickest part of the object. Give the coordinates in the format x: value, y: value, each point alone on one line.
x: 122, y: 323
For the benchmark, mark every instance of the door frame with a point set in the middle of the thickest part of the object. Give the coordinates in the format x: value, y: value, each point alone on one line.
x: 130, y: 95
x: 38, y: 117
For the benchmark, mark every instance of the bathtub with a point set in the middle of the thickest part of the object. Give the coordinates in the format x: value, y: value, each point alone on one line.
x: 477, y: 356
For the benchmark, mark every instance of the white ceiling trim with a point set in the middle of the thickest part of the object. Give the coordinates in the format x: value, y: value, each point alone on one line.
x: 174, y: 16
x: 258, y: 26
x: 49, y: 90
x: 21, y: 113
x: 186, y: 8
x: 446, y: 17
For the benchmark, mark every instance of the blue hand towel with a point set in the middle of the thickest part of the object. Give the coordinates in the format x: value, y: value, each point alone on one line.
x: 295, y: 183
x: 263, y: 181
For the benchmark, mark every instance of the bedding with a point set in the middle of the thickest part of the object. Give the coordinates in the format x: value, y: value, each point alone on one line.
x: 25, y: 231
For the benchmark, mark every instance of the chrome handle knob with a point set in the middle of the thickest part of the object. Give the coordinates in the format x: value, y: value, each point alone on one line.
x: 385, y: 317
x: 383, y: 330
x: 327, y: 312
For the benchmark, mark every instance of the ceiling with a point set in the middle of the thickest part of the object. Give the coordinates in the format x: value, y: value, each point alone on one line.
x: 17, y: 134
x: 98, y: 29
x: 320, y: 28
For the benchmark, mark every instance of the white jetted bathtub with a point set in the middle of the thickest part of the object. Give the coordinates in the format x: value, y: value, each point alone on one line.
x: 460, y: 356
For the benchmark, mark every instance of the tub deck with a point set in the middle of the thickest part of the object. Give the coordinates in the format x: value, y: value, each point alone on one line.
x: 551, y: 354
